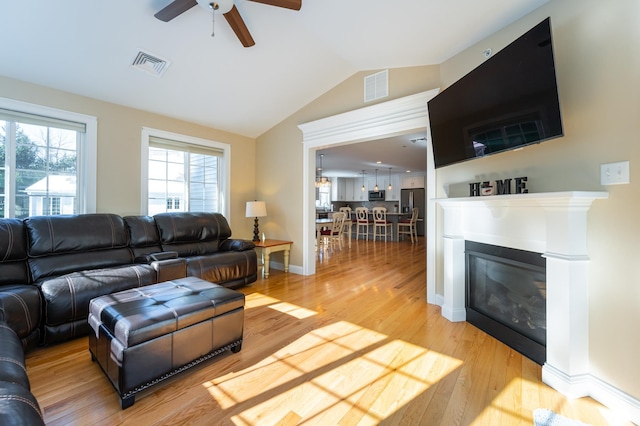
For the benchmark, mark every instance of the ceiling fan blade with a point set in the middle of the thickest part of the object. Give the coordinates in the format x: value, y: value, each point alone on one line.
x: 288, y: 4
x: 239, y: 27
x: 175, y: 8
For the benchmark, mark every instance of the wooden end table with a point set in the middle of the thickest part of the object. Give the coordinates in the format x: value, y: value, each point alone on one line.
x: 271, y: 246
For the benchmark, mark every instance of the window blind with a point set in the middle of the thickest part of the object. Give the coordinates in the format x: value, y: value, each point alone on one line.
x: 156, y: 142
x: 40, y: 120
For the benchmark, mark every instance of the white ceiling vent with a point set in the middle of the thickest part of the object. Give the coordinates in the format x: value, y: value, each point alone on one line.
x: 376, y: 86
x: 150, y: 63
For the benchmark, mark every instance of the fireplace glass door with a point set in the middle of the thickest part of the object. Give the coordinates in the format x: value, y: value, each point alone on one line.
x: 506, y: 296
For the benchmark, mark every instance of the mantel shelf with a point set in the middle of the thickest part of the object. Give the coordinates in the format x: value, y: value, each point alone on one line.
x: 541, y: 199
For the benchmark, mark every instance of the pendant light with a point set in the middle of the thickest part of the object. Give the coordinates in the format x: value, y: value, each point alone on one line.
x: 376, y: 187
x: 322, y: 180
x: 363, y: 188
x: 389, y: 187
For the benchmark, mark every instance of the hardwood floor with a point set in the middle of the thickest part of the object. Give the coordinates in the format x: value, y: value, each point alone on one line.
x: 355, y: 344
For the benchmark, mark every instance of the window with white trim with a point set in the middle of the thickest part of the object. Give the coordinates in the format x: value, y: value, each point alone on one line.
x: 44, y: 159
x: 183, y: 174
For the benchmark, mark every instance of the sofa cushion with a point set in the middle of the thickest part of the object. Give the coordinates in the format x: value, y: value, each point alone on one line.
x: 68, y: 243
x: 72, y: 233
x: 13, y: 242
x: 13, y: 252
x: 18, y: 406
x: 192, y: 234
x: 143, y: 234
x: 231, y: 269
x: 22, y: 307
x: 67, y: 297
x: 12, y: 366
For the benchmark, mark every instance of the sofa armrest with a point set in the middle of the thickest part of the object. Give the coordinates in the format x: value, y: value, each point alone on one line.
x: 231, y: 244
x: 167, y: 264
x: 152, y: 257
x: 170, y: 269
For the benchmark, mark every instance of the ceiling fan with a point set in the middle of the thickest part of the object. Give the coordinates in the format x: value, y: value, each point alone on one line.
x: 227, y: 9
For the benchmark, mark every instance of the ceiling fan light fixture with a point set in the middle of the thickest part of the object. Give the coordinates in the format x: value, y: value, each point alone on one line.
x: 218, y: 6
x: 222, y: 6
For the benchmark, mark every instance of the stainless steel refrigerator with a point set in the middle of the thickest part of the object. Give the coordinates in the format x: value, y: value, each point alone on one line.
x: 410, y: 198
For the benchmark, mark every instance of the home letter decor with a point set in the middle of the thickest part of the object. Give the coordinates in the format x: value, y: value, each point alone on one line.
x: 474, y: 189
x: 503, y: 186
x: 521, y: 185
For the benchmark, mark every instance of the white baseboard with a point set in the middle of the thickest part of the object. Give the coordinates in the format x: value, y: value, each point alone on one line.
x: 615, y: 399
x: 295, y: 269
x: 454, y: 315
x: 623, y: 404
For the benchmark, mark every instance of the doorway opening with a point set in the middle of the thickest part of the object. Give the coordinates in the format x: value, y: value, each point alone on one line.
x: 396, y: 117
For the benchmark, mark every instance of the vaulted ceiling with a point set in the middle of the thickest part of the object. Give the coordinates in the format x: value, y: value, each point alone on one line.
x: 87, y: 48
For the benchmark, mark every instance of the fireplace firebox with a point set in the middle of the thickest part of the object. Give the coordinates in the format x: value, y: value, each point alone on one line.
x: 506, y: 296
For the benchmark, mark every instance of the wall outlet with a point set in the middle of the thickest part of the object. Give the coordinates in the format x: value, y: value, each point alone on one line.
x: 614, y: 173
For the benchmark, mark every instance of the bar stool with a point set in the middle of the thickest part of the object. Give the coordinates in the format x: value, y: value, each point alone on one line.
x: 409, y: 226
x: 362, y: 222
x: 348, y: 223
x: 381, y: 223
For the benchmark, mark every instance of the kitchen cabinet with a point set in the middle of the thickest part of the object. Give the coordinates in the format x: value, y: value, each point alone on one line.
x: 348, y: 189
x: 358, y: 193
x: 414, y: 181
x: 339, y: 190
x: 383, y: 183
x: 370, y: 182
x: 349, y: 194
x: 394, y: 194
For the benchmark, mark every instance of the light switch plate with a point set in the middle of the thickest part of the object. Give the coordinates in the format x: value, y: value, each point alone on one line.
x: 614, y: 173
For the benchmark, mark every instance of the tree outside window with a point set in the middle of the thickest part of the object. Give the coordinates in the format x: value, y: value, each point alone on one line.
x: 42, y: 172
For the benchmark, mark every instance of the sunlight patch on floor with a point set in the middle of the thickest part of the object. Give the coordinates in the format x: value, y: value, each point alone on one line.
x: 329, y: 374
x: 255, y: 300
x: 503, y: 406
x: 293, y: 310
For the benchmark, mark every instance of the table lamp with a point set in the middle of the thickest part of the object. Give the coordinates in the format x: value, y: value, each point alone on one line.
x: 256, y: 209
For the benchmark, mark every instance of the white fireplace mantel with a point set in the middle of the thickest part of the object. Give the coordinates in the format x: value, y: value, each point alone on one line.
x: 553, y: 224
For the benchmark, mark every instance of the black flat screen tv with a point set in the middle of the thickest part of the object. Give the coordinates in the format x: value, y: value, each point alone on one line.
x: 509, y: 101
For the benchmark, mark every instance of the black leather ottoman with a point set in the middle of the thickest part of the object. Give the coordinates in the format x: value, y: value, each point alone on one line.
x: 147, y: 334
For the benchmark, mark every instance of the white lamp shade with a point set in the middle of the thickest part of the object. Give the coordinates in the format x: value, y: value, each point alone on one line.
x: 256, y: 209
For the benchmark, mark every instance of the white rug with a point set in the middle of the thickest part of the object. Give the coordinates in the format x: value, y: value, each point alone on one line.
x: 544, y: 417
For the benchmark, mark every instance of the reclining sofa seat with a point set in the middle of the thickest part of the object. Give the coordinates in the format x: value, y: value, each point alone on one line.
x: 18, y: 406
x: 203, y: 240
x: 19, y: 297
x: 52, y: 266
x: 73, y: 259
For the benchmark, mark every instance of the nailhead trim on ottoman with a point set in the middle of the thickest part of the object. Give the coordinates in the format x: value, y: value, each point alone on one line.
x: 145, y: 335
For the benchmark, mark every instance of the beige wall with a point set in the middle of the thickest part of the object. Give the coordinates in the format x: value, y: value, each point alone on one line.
x: 279, y: 152
x: 596, y: 47
x: 119, y: 135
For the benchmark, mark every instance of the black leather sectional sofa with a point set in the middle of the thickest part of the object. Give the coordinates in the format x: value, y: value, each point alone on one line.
x: 52, y: 266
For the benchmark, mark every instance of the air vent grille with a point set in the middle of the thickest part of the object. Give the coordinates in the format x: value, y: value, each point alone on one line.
x: 376, y: 86
x: 150, y: 63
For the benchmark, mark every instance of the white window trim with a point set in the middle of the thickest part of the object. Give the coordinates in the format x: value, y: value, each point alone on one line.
x: 87, y: 149
x: 144, y: 167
